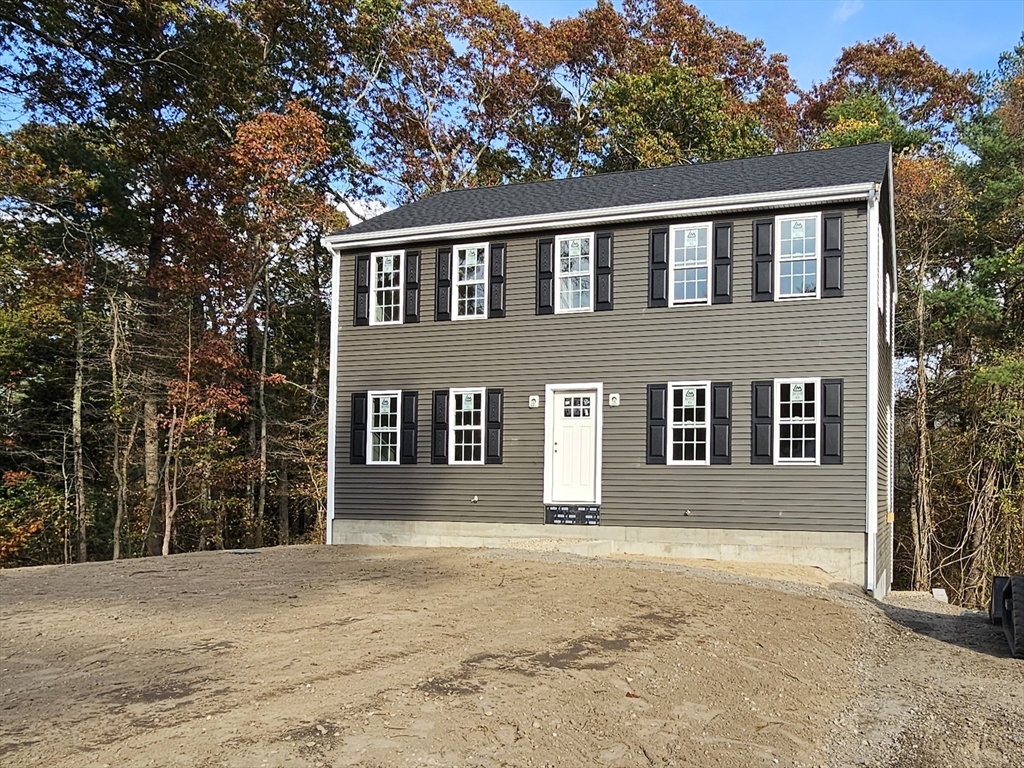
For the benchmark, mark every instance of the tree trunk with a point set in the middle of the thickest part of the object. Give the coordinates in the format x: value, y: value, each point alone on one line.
x: 115, y: 407
x: 151, y: 442
x: 921, y: 514
x: 261, y: 493
x: 282, y: 504
x: 78, y: 459
x: 170, y: 476
x: 981, y: 520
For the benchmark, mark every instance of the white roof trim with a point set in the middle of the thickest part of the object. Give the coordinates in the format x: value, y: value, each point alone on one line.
x: 598, y: 216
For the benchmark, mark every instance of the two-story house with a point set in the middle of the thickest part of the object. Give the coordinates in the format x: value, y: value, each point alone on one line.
x: 691, y: 361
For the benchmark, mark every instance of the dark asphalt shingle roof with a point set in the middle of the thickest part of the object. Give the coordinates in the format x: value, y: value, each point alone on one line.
x: 772, y: 173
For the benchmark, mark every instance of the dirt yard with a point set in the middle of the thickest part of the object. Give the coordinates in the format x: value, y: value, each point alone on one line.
x: 314, y: 656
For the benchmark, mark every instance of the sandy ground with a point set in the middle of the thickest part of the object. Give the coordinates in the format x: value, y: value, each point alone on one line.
x: 314, y: 656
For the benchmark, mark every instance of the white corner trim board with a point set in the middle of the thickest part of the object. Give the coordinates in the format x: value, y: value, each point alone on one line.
x: 332, y: 407
x: 871, y: 465
x: 600, y: 216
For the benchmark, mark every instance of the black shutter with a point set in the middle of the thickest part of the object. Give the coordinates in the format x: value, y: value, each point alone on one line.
x: 496, y: 281
x: 764, y: 257
x: 546, y: 276
x: 721, y: 262
x: 357, y: 449
x: 762, y: 398
x: 439, y: 428
x: 362, y: 290
x: 831, y: 421
x: 721, y: 422
x: 412, y: 286
x: 657, y: 422
x: 410, y: 403
x: 832, y: 255
x: 443, y: 294
x: 604, y: 272
x: 494, y: 413
x: 657, y: 284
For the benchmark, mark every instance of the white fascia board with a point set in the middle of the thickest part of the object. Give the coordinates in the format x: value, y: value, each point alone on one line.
x: 600, y: 216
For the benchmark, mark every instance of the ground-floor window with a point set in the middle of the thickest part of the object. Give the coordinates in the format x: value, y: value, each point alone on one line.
x: 467, y: 426
x: 384, y: 428
x: 689, y: 413
x: 797, y: 421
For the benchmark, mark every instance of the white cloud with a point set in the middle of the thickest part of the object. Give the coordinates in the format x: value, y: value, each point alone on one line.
x: 846, y: 9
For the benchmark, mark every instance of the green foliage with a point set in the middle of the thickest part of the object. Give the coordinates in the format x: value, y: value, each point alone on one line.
x: 668, y: 116
x: 863, y: 118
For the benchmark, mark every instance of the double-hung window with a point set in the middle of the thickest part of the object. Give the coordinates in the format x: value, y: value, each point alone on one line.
x: 689, y: 422
x: 689, y: 263
x: 574, y: 265
x: 383, y: 434
x: 796, y: 427
x: 386, y: 287
x: 799, y: 252
x: 466, y: 434
x: 469, y: 299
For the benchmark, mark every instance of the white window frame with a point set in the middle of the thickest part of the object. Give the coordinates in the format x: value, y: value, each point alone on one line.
x: 777, y: 432
x: 452, y: 393
x: 401, y: 287
x: 672, y: 263
x: 455, y: 280
x: 397, y: 394
x: 777, y: 265
x: 672, y: 387
x: 559, y: 239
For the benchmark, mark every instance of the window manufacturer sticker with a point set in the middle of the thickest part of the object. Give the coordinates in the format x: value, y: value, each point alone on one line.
x: 689, y: 398
x: 796, y: 393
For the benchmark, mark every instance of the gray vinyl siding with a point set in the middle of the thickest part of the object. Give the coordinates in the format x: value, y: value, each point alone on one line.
x: 885, y: 425
x: 626, y: 349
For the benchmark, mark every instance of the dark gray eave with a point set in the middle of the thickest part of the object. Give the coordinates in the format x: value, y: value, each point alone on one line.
x: 818, y: 169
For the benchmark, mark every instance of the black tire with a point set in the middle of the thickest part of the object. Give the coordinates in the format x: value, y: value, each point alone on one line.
x: 1015, y: 617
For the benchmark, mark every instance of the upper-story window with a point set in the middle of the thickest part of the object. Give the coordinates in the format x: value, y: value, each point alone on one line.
x: 796, y: 418
x: 469, y: 299
x: 574, y: 266
x: 689, y: 262
x: 799, y: 251
x: 386, y: 287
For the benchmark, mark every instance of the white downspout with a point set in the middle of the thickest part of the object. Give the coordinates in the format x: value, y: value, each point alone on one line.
x: 871, y: 468
x: 332, y: 406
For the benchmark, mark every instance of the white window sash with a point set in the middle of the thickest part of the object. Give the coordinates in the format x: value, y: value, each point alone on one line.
x: 672, y: 263
x: 452, y: 394
x: 397, y: 431
x: 672, y: 424
x: 373, y: 287
x: 558, y: 273
x: 816, y: 421
x: 456, y: 283
x: 816, y: 258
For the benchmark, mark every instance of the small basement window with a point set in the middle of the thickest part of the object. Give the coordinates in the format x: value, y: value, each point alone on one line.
x: 383, y: 434
x: 796, y: 421
x: 799, y: 250
x: 689, y: 263
x: 689, y: 417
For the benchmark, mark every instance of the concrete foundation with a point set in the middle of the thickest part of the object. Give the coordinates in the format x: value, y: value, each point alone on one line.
x: 841, y: 555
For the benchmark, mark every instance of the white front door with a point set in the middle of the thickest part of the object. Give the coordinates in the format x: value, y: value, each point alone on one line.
x: 573, y: 448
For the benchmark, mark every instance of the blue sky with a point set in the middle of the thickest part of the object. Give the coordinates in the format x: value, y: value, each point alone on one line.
x: 959, y: 34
